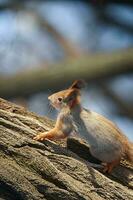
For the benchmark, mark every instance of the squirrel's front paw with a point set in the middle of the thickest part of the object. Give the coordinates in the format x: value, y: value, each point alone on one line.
x: 40, y: 136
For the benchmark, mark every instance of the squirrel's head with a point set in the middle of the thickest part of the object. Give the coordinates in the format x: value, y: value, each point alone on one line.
x: 69, y: 97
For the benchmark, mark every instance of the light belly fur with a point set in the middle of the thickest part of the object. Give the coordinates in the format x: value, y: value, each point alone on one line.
x: 102, y: 139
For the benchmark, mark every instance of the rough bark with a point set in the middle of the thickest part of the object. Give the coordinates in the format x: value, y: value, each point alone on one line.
x: 51, y: 170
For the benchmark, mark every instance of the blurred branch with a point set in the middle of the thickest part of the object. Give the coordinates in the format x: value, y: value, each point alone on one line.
x: 69, y: 48
x: 103, y: 2
x: 91, y: 67
x: 11, y: 5
x: 104, y: 17
x: 110, y: 20
x: 124, y: 108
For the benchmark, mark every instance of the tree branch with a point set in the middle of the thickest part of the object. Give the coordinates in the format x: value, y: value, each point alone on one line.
x: 124, y: 108
x: 110, y: 20
x: 91, y: 67
x: 34, y: 170
x: 69, y: 48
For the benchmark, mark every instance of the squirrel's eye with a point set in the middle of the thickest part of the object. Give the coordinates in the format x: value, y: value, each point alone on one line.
x: 59, y: 99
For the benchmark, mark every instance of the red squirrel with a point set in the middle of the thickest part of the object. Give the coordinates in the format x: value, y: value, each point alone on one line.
x: 107, y: 142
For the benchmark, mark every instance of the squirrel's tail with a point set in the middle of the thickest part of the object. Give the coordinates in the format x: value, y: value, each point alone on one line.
x: 129, y: 152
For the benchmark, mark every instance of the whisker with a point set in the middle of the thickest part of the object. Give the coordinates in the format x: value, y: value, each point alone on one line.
x: 50, y: 108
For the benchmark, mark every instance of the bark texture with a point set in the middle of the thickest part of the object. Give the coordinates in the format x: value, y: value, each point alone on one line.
x: 51, y: 170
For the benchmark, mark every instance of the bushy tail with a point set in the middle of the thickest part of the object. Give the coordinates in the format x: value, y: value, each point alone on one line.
x: 129, y: 152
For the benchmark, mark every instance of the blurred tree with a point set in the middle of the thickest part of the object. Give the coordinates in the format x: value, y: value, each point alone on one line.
x: 77, y: 63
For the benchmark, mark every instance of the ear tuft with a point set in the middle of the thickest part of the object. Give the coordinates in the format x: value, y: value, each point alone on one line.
x: 78, y: 84
x: 71, y: 95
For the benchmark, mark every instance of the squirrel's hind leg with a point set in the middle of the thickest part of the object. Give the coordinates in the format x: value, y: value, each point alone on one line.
x: 109, y: 166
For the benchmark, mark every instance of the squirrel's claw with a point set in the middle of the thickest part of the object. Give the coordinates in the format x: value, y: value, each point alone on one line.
x: 39, y: 137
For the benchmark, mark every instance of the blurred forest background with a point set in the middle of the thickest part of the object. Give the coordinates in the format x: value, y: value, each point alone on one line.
x: 45, y: 45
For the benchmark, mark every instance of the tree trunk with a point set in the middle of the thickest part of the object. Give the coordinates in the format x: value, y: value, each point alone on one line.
x: 51, y: 170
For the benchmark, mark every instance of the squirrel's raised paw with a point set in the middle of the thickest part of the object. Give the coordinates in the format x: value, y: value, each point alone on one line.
x: 40, y: 136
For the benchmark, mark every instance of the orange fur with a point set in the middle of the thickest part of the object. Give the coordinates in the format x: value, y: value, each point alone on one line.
x: 103, y: 132
x: 109, y: 167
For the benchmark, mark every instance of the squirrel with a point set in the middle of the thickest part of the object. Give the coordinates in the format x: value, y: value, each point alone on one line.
x: 107, y: 142
x: 64, y: 126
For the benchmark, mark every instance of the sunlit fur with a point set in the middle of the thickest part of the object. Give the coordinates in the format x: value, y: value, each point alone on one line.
x: 107, y: 143
x: 64, y: 94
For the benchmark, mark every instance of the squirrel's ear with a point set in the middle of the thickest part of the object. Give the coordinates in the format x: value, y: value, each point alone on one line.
x: 78, y: 84
x: 71, y: 95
